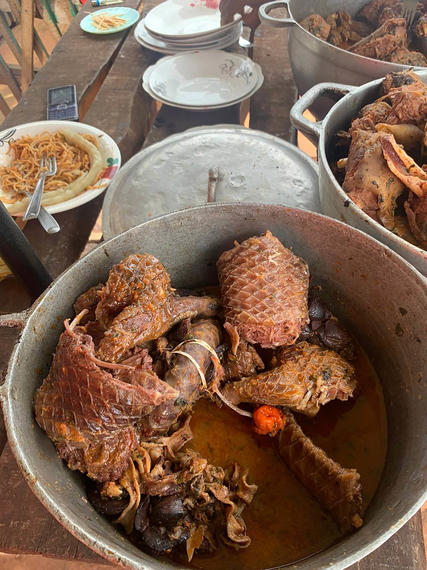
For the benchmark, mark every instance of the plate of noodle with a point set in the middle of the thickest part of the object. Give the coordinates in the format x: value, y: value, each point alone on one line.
x: 109, y: 20
x: 87, y: 160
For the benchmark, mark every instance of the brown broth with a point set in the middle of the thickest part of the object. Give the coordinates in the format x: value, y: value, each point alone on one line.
x: 284, y: 521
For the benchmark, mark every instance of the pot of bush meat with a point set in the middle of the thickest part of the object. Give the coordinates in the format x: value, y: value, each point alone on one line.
x: 231, y: 386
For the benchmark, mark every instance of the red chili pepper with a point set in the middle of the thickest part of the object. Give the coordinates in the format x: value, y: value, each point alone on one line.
x: 268, y: 420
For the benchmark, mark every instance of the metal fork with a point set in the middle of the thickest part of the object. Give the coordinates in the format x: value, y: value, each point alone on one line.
x: 48, y: 168
x: 47, y: 221
x: 409, y: 9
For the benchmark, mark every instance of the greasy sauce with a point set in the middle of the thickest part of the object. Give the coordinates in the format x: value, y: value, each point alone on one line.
x: 284, y: 522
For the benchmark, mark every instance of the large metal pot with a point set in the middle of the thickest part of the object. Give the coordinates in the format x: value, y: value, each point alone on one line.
x: 334, y: 200
x: 373, y: 290
x: 314, y: 60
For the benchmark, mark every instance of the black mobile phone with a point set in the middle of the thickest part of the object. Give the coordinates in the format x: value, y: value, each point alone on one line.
x: 62, y: 103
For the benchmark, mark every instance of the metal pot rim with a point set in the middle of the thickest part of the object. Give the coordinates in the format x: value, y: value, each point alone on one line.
x: 60, y: 512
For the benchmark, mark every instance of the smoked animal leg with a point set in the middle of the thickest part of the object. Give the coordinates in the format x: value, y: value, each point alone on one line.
x: 337, y: 488
x: 307, y: 376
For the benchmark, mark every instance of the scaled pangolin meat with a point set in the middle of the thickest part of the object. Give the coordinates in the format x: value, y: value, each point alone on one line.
x: 307, y: 376
x: 264, y: 289
x: 337, y: 488
x: 137, y: 305
x: 91, y: 416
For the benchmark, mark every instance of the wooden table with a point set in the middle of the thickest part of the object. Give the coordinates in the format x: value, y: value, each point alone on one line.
x: 107, y: 72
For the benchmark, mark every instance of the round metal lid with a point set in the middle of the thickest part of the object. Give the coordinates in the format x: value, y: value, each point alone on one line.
x: 172, y: 175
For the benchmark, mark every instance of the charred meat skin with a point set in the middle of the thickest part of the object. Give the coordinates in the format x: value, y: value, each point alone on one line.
x: 264, y: 289
x: 246, y: 362
x: 90, y: 416
x: 184, y: 377
x: 306, y: 377
x: 136, y: 276
x: 384, y: 41
x: 150, y: 318
x: 367, y: 174
x: 337, y: 488
x: 316, y: 25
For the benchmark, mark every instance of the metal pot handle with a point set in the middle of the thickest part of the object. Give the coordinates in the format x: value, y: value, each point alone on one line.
x: 265, y: 9
x: 300, y: 122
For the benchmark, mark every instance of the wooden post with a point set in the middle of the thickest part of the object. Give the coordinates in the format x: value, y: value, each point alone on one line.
x: 27, y: 22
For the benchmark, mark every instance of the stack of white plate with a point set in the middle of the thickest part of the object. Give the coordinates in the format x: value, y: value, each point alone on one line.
x: 202, y: 81
x: 186, y: 25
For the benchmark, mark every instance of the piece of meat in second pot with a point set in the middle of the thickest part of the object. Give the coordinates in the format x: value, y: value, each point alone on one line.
x: 264, y: 289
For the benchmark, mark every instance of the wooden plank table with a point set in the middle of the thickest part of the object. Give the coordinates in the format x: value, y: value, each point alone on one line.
x: 107, y: 72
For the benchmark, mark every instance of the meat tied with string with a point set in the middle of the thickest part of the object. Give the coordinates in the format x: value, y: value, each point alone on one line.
x: 264, y: 290
x: 191, y: 360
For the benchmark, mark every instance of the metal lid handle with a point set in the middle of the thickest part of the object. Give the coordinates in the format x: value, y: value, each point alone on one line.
x: 264, y: 16
x: 309, y: 128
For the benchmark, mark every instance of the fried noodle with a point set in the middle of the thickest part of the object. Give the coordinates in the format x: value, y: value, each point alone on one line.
x: 106, y: 21
x: 22, y: 174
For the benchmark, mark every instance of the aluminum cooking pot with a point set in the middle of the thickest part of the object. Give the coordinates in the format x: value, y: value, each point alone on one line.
x: 314, y: 60
x: 367, y: 286
x: 334, y: 200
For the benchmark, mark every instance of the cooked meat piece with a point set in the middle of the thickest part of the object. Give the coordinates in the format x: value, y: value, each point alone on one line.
x: 307, y: 376
x: 150, y: 317
x: 135, y: 277
x: 416, y: 211
x: 246, y: 362
x: 183, y: 376
x: 367, y: 174
x: 409, y: 136
x: 317, y: 26
x: 409, y: 104
x: 389, y: 12
x: 407, y: 57
x: 381, y: 43
x: 403, y: 166
x: 325, y: 330
x: 342, y: 33
x: 397, y: 79
x: 92, y: 417
x: 337, y: 488
x: 264, y: 290
x: 372, y: 11
x: 421, y: 28
x: 370, y: 115
x: 88, y: 300
x: 207, y: 500
x: 362, y: 28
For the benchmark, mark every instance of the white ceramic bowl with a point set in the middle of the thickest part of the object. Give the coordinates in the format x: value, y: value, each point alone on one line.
x: 207, y: 78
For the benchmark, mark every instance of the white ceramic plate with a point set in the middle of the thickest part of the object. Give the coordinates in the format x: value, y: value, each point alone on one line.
x: 108, y: 148
x: 206, y: 78
x: 144, y: 38
x: 202, y: 39
x: 181, y: 19
x: 147, y: 88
